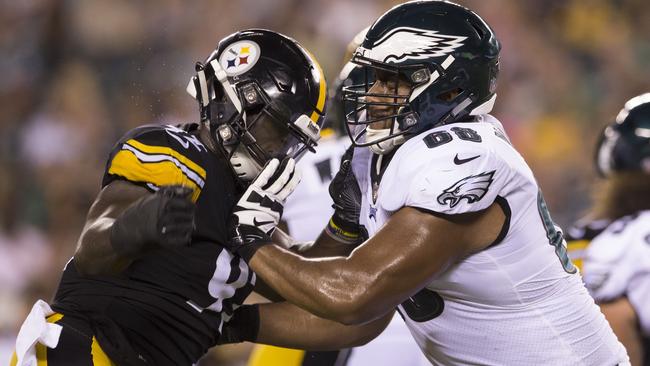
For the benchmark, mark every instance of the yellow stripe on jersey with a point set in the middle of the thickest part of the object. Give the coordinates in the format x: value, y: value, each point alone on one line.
x: 54, y: 318
x: 264, y: 355
x: 158, y: 165
x: 575, y: 249
x: 322, y: 89
x: 99, y: 357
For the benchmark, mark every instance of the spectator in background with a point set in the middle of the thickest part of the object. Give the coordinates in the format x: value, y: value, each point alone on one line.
x: 612, y: 245
x: 26, y: 258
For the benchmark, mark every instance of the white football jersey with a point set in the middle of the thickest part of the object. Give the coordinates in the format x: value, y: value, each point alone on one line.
x: 514, y: 303
x: 617, y: 263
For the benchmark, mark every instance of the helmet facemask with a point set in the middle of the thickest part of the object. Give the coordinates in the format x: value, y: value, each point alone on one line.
x: 360, y: 101
x: 263, y: 130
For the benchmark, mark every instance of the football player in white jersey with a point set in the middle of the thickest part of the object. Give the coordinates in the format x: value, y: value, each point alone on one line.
x: 460, y: 239
x: 613, y: 245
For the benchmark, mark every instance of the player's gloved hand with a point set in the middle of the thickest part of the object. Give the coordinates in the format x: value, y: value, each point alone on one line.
x: 164, y: 219
x: 258, y: 211
x: 346, y: 195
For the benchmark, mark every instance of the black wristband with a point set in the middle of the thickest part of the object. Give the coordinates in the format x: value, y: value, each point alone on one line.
x: 244, y: 325
x: 247, y: 240
x: 247, y: 251
x: 345, y: 225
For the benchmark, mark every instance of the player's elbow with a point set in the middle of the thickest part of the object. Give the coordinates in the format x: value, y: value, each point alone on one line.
x: 356, y: 315
x: 356, y: 310
x: 350, y: 297
x: 357, y: 338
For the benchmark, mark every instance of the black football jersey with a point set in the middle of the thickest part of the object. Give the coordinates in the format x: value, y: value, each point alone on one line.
x: 168, y: 306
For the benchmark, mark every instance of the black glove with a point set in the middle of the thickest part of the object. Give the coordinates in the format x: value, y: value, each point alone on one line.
x: 346, y: 195
x: 164, y: 219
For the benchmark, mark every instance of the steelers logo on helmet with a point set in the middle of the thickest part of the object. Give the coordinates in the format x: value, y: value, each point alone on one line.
x: 239, y: 57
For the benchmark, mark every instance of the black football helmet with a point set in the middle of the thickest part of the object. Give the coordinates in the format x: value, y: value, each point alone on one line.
x: 263, y: 96
x: 625, y: 144
x: 442, y: 49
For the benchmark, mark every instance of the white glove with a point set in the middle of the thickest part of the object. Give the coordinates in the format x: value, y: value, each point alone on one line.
x: 262, y: 204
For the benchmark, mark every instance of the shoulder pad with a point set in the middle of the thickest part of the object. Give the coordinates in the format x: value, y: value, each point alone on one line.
x: 153, y: 156
x: 616, y: 256
x: 452, y: 177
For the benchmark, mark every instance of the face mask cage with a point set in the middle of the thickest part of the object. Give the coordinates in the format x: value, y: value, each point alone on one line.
x: 263, y: 126
x: 359, y: 103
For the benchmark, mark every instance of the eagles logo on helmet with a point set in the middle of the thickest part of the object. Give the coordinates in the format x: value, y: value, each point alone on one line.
x: 447, y: 54
x: 263, y: 97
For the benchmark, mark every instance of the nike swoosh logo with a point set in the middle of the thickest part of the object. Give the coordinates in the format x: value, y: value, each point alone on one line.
x: 458, y: 161
x: 260, y: 223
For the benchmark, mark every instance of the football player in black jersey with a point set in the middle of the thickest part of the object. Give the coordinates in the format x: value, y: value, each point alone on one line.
x: 612, y: 245
x: 153, y: 280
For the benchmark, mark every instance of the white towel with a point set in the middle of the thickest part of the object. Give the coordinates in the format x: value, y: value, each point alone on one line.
x: 36, y: 329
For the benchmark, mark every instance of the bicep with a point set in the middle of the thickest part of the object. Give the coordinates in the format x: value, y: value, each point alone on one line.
x: 94, y: 252
x: 413, y: 247
x: 115, y: 198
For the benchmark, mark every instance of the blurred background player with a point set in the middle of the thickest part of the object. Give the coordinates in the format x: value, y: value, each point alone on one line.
x: 612, y: 244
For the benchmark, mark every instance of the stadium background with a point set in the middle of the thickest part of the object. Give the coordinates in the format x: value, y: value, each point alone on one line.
x: 75, y: 75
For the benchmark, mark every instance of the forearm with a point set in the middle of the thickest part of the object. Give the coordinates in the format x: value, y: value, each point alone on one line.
x: 323, y: 246
x: 95, y: 254
x: 285, y: 325
x: 326, y: 287
x: 122, y: 224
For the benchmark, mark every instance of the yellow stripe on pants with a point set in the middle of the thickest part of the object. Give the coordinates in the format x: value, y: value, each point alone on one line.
x: 264, y: 355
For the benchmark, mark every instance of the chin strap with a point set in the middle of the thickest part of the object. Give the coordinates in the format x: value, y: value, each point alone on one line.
x: 386, y: 146
x: 245, y: 167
